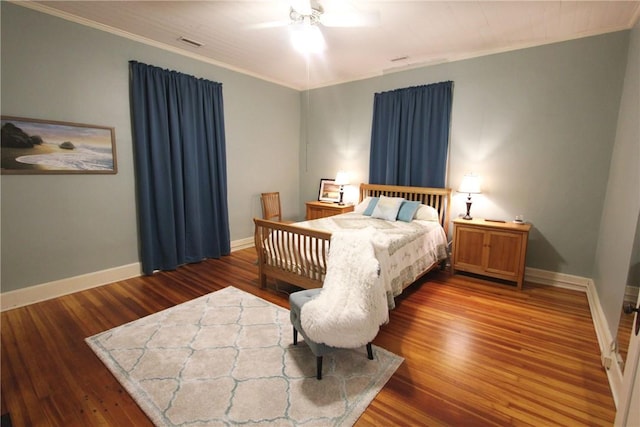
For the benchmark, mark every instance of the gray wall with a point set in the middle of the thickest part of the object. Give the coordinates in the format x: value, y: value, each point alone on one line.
x: 537, y: 124
x: 617, y: 232
x: 61, y: 226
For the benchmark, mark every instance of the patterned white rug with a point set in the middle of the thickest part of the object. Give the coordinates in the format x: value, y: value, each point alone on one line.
x: 228, y: 358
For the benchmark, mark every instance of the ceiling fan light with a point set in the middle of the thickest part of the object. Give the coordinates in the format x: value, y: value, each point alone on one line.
x: 307, y: 38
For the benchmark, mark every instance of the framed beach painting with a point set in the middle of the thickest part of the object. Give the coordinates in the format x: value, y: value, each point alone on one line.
x: 32, y: 146
x: 329, y: 191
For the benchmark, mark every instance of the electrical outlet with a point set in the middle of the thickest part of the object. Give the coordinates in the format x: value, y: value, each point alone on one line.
x: 606, y: 362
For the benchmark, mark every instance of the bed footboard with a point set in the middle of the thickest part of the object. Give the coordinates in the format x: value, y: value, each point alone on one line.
x: 290, y: 253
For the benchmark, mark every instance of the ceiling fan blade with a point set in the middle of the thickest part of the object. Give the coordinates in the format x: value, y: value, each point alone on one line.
x: 270, y: 24
x: 350, y: 18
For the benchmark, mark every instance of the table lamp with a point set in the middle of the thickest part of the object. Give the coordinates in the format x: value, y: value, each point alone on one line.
x: 471, y: 185
x: 342, y: 179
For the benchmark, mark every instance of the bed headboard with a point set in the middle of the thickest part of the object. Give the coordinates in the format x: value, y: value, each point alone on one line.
x: 438, y: 198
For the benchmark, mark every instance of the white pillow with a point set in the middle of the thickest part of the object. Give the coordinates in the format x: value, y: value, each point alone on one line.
x: 387, y: 208
x: 427, y: 213
x: 360, y: 207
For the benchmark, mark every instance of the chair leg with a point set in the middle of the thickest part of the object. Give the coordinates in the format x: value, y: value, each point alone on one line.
x: 319, y: 367
x: 369, y: 351
x: 295, y: 336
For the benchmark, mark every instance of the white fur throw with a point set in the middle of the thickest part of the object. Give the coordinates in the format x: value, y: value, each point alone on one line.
x: 353, y: 303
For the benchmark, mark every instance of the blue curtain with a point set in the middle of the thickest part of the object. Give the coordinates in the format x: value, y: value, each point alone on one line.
x: 181, y: 172
x: 410, y: 135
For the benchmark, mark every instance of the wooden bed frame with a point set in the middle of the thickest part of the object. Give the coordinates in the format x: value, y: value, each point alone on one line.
x: 280, y: 247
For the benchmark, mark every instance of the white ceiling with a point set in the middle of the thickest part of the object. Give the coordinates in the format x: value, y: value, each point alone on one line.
x: 233, y: 33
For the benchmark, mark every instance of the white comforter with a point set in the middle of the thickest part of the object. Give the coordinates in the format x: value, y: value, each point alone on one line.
x: 352, y: 305
x: 404, y: 250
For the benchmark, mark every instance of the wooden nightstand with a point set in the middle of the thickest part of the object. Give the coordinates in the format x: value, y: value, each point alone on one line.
x: 492, y: 249
x: 317, y: 210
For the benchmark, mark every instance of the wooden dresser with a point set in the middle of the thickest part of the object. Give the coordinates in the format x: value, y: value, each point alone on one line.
x: 317, y: 210
x: 493, y: 249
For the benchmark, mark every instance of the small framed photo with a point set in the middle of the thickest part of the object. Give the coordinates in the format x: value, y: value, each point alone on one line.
x: 329, y: 191
x: 31, y: 146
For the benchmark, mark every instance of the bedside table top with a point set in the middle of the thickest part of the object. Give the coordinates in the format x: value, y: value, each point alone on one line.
x: 481, y: 222
x: 328, y: 204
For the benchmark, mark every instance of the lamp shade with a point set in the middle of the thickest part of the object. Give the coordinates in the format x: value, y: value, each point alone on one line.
x: 470, y: 184
x: 342, y: 178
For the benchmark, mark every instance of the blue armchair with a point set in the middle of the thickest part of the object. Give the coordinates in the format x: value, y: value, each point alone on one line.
x: 296, y: 301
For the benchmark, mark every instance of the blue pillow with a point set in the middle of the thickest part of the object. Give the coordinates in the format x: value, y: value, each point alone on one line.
x: 372, y: 205
x: 407, y: 210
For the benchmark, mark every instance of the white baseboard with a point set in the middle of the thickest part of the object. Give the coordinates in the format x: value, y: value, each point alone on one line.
x: 58, y: 288
x: 560, y: 280
x: 607, y: 343
x: 237, y: 245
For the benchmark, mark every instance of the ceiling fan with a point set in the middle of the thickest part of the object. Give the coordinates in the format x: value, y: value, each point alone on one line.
x: 339, y: 14
x: 307, y: 16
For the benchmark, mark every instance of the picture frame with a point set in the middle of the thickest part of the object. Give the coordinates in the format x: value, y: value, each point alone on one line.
x: 34, y: 146
x: 329, y: 191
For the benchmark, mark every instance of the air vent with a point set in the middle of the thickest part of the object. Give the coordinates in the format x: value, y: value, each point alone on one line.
x: 190, y: 42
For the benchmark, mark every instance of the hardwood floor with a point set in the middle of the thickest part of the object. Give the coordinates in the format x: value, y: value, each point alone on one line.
x: 474, y: 354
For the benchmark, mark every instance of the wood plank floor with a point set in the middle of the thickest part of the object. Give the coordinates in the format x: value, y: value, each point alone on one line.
x: 474, y: 354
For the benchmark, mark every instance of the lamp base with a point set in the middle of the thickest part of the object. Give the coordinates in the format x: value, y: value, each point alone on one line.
x: 467, y: 216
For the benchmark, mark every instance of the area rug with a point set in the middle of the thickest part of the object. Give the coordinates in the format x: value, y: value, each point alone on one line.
x: 228, y: 358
